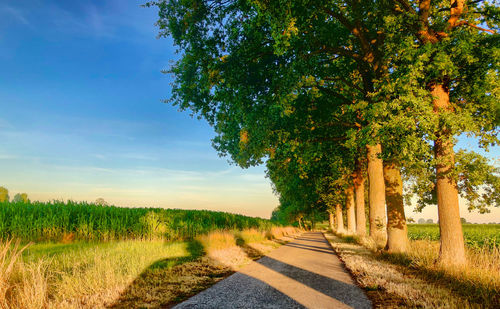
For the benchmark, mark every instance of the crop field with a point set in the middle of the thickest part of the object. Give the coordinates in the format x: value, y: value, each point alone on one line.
x: 68, y: 221
x: 476, y: 235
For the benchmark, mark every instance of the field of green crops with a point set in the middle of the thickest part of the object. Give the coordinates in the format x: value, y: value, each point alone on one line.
x: 56, y: 221
x: 476, y: 235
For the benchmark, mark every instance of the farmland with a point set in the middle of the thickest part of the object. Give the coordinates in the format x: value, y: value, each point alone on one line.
x: 476, y: 235
x: 71, y: 221
x: 86, y: 256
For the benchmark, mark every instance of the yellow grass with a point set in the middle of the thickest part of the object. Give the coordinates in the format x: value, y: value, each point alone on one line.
x: 415, y: 279
x: 279, y: 232
x: 124, y: 274
x: 217, y: 240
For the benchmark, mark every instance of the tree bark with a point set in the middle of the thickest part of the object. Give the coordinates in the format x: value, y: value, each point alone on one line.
x: 452, y: 251
x: 350, y: 211
x: 331, y: 219
x: 339, y: 219
x: 377, y: 196
x: 359, y: 191
x: 397, y: 231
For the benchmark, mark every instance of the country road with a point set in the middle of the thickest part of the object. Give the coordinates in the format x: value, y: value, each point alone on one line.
x: 305, y: 273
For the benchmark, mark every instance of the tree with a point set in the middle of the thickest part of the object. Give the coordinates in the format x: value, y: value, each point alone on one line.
x: 20, y: 198
x: 4, y: 194
x: 456, y: 61
x: 463, y: 221
x: 421, y: 221
x: 381, y: 80
x: 101, y: 202
x: 410, y: 220
x: 429, y: 221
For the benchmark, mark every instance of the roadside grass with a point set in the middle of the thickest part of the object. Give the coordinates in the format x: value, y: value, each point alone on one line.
x: 119, y: 274
x: 414, y: 279
x: 217, y: 240
x: 280, y: 232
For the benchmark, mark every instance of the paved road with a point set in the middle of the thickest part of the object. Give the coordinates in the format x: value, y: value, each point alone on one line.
x: 305, y: 273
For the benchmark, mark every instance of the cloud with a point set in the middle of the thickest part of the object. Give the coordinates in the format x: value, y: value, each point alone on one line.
x: 15, y: 14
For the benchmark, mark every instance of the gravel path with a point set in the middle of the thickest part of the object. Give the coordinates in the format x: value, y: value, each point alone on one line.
x: 305, y: 273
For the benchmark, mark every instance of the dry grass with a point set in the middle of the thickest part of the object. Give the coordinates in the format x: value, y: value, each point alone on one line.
x: 251, y: 236
x: 478, y: 281
x: 415, y: 280
x: 217, y: 240
x: 280, y: 232
x: 21, y: 285
x: 126, y: 274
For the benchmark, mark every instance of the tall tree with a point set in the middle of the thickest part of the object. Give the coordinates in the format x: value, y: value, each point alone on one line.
x: 455, y: 59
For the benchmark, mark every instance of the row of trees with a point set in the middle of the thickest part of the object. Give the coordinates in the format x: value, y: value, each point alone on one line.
x: 346, y: 101
x: 23, y: 198
x: 18, y: 198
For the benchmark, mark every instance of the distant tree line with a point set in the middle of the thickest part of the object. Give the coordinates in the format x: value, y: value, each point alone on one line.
x: 23, y: 198
x: 18, y: 198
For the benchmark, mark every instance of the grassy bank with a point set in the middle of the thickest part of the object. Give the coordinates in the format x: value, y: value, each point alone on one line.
x: 415, y: 280
x: 70, y: 221
x: 124, y: 274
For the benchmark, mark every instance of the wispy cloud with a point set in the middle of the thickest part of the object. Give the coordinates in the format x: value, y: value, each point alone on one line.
x: 15, y: 14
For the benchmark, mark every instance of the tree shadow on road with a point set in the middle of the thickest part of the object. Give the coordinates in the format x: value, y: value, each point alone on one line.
x: 347, y: 293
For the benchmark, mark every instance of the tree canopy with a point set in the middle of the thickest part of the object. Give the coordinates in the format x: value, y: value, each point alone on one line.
x: 325, y: 92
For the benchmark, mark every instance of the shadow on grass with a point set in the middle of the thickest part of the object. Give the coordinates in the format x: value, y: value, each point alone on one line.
x: 250, y: 251
x: 169, y: 281
x: 473, y: 291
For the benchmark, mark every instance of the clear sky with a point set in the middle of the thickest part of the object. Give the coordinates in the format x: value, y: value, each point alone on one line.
x: 81, y: 115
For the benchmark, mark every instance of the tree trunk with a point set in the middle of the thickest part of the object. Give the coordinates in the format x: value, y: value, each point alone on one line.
x: 359, y: 190
x: 377, y: 196
x: 300, y: 223
x: 452, y: 249
x: 331, y: 220
x: 351, y: 212
x: 397, y: 231
x: 340, y: 220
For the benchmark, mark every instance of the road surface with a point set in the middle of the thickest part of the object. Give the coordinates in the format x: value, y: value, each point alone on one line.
x: 305, y: 273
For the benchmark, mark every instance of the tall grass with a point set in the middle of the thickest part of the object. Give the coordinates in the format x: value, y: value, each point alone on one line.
x: 96, y: 274
x: 56, y: 221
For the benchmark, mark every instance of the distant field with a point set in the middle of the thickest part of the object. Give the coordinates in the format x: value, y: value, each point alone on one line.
x: 476, y: 235
x: 59, y: 221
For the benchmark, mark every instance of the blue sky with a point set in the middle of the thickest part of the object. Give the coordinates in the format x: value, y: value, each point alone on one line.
x: 81, y: 115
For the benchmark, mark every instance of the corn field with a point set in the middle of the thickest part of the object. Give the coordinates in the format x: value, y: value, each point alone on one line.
x: 56, y: 221
x: 476, y: 236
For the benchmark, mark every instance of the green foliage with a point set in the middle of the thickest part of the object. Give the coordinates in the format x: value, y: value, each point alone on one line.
x: 36, y: 221
x: 476, y: 235
x: 20, y: 198
x: 304, y: 86
x: 4, y: 194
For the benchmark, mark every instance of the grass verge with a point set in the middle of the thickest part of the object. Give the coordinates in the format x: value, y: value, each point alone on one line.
x: 121, y: 274
x: 415, y: 280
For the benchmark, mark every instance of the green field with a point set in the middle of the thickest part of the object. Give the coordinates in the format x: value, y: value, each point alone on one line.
x: 59, y: 221
x: 476, y: 235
